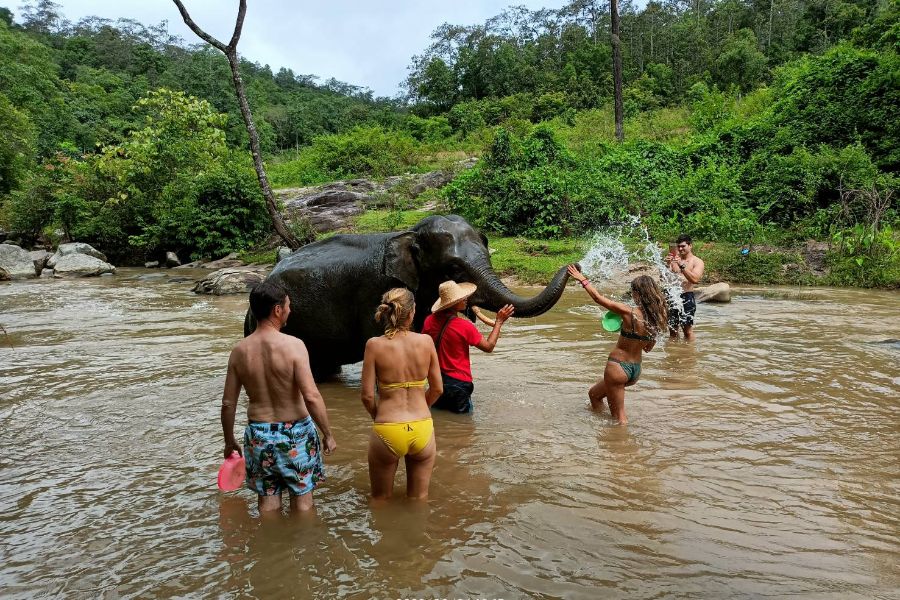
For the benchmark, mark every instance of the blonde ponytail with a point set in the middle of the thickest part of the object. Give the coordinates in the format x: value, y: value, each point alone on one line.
x: 396, y: 306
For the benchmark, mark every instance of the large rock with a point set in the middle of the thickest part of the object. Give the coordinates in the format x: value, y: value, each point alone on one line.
x: 223, y: 263
x: 16, y: 263
x: 172, y: 260
x: 40, y: 258
x: 329, y: 207
x: 282, y: 253
x: 717, y: 292
x: 81, y: 265
x: 75, y: 248
x: 229, y: 281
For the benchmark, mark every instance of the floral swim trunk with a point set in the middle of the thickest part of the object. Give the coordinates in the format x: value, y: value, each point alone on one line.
x: 283, y: 455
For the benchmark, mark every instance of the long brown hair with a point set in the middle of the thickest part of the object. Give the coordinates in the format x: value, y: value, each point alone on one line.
x: 652, y: 302
x: 396, y: 306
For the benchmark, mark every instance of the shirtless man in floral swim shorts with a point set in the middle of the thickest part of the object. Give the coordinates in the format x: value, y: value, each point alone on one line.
x: 281, y: 445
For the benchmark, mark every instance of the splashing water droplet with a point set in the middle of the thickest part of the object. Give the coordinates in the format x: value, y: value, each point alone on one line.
x: 609, y: 255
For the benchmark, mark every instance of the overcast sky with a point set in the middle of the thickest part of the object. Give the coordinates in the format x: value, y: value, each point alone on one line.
x: 366, y: 43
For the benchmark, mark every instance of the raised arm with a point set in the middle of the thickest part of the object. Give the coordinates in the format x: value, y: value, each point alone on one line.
x: 315, y: 404
x: 488, y: 345
x: 229, y: 406
x: 367, y: 389
x: 616, y: 307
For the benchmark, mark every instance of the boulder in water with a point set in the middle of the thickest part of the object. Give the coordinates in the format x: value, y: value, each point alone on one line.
x: 75, y: 248
x: 40, y: 258
x: 81, y: 265
x: 16, y: 263
x: 151, y: 264
x: 717, y: 292
x: 172, y: 260
x: 229, y: 281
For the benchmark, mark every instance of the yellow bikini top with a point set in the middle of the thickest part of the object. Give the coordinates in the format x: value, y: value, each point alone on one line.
x: 402, y: 384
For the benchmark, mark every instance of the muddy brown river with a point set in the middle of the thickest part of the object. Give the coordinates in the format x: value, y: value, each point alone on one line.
x: 763, y: 461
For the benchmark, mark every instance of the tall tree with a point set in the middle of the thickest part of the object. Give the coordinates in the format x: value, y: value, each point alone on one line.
x: 617, y: 69
x: 230, y: 52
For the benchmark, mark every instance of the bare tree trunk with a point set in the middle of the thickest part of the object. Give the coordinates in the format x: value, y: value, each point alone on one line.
x: 617, y: 70
x: 230, y: 52
x: 771, y: 14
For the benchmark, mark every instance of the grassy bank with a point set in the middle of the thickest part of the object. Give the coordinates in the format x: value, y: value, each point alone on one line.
x: 535, y: 261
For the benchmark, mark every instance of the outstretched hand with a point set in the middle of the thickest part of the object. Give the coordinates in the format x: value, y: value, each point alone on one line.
x: 504, y: 313
x: 575, y: 273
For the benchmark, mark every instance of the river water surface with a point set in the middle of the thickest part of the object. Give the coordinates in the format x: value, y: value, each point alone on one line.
x: 761, y: 461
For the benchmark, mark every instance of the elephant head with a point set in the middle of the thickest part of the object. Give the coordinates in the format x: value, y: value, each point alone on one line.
x: 439, y: 248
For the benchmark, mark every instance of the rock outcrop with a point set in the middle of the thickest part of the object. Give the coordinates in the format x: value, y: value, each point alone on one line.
x: 81, y: 265
x: 40, y: 258
x: 231, y: 281
x: 16, y: 263
x: 717, y: 292
x: 330, y: 207
x: 172, y: 260
x: 74, y: 248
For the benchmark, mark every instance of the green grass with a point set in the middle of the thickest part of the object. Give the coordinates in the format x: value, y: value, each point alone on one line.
x: 373, y: 221
x: 534, y: 261
x: 262, y: 257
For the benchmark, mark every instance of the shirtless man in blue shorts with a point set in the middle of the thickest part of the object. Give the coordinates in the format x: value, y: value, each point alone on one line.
x: 281, y: 445
x: 689, y: 269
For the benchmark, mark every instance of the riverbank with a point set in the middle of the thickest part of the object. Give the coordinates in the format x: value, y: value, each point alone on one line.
x: 529, y: 261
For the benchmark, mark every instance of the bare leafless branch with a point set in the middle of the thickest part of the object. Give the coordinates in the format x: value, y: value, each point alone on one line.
x: 196, y: 28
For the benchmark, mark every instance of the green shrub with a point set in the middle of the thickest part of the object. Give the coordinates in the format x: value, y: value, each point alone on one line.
x: 365, y: 151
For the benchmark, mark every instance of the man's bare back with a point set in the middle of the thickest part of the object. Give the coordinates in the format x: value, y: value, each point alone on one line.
x: 273, y: 368
x: 270, y: 366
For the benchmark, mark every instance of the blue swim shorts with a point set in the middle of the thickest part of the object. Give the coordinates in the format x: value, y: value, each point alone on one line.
x: 283, y: 455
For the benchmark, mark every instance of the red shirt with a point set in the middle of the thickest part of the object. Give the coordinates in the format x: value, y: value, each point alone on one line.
x: 453, y: 355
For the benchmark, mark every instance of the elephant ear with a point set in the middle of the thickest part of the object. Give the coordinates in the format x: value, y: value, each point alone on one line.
x: 401, y: 259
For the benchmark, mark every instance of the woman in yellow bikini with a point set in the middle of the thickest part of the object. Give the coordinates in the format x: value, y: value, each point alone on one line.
x: 640, y: 326
x: 401, y: 362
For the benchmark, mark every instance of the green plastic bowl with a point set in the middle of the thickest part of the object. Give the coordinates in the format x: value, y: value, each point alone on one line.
x: 612, y: 321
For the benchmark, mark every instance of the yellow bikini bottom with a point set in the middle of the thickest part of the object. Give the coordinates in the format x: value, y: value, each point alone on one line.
x: 410, y: 437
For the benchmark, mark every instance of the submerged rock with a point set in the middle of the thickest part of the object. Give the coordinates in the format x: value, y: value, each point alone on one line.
x: 16, y: 263
x: 81, y: 265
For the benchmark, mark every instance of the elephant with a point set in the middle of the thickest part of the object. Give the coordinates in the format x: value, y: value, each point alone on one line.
x: 336, y: 284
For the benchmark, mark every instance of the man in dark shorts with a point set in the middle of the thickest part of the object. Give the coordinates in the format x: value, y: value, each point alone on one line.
x: 453, y: 336
x: 282, y: 449
x: 689, y: 269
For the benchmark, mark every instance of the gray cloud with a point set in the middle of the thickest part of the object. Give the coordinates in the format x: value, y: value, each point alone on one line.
x: 369, y: 44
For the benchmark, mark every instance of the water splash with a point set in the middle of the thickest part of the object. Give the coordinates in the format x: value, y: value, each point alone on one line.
x: 614, y: 247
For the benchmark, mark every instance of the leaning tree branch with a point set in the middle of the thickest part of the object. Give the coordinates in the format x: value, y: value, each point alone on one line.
x: 238, y: 25
x: 230, y: 52
x: 196, y: 28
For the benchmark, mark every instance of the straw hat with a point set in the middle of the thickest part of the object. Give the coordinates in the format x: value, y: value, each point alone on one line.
x: 450, y: 293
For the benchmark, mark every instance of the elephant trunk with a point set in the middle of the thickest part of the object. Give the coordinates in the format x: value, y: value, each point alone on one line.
x: 493, y: 295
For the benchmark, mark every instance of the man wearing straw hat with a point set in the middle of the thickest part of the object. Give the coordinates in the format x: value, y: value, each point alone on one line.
x: 452, y: 336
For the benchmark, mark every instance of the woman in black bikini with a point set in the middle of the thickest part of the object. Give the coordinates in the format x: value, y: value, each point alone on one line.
x: 640, y: 326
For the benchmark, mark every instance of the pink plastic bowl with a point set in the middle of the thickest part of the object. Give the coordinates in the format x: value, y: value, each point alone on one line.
x: 232, y: 473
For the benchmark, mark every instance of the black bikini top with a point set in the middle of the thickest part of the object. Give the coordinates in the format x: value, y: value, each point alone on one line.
x: 632, y: 335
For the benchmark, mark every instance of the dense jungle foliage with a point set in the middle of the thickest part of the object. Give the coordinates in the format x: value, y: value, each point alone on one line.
x: 746, y: 122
